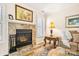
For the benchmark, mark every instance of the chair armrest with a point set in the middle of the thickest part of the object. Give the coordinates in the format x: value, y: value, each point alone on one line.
x: 72, y: 43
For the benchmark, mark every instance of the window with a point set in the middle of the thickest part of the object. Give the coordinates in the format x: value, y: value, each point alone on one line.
x: 40, y: 25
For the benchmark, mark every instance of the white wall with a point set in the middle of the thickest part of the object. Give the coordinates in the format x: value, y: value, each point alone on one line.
x: 4, y: 39
x: 58, y: 17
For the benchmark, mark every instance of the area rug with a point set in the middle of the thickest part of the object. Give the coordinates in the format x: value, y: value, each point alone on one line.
x: 40, y: 50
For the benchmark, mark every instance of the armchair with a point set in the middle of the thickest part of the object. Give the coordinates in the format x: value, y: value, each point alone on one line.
x: 74, y: 41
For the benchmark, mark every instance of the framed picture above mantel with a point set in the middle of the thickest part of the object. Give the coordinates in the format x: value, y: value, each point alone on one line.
x: 72, y: 21
x: 23, y: 14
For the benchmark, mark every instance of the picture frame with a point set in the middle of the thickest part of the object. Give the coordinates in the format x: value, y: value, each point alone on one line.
x: 23, y: 14
x: 72, y: 21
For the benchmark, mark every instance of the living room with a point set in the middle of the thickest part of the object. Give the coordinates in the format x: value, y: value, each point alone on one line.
x: 39, y: 29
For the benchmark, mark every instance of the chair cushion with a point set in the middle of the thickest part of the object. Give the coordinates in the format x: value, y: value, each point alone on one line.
x: 75, y: 37
x: 57, y: 52
x: 73, y: 43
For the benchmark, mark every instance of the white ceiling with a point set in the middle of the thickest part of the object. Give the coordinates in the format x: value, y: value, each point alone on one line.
x: 51, y: 7
x: 37, y: 6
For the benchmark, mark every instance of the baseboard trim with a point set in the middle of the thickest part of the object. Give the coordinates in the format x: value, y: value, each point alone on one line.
x: 6, y: 55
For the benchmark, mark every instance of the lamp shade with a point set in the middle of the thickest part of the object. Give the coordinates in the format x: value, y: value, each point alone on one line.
x: 52, y: 25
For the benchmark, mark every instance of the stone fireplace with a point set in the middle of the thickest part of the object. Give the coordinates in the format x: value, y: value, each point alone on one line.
x: 25, y: 34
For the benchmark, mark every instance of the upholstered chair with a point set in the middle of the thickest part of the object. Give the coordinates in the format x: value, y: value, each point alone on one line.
x: 75, y: 38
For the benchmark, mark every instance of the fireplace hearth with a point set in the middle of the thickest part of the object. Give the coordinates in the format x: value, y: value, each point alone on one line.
x: 23, y: 37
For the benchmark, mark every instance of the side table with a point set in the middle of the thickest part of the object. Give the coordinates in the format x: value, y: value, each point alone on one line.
x: 51, y: 38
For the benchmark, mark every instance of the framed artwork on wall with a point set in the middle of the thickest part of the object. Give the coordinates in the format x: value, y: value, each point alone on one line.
x: 72, y: 21
x: 23, y: 14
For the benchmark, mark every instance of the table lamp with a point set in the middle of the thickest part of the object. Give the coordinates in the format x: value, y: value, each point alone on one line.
x: 51, y: 28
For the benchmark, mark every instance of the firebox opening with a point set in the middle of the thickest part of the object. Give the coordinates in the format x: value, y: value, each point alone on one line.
x: 23, y: 37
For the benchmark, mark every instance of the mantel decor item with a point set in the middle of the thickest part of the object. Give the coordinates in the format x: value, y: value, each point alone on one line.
x: 72, y: 21
x: 52, y: 25
x: 23, y: 14
x: 10, y: 17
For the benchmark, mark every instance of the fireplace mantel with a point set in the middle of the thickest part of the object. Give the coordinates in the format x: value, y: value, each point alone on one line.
x: 20, y: 22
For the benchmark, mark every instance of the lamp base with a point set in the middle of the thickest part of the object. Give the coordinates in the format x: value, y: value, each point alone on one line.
x: 51, y: 31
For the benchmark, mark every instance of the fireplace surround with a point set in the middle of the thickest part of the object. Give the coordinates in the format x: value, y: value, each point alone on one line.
x: 13, y: 29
